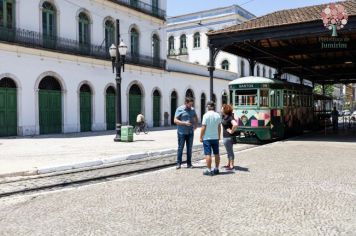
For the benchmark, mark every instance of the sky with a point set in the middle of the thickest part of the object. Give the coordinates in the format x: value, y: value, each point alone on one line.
x: 256, y: 7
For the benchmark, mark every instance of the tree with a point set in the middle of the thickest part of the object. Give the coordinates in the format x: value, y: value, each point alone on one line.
x: 329, y: 90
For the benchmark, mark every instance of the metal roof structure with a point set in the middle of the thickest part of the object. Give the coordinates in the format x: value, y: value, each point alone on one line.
x: 297, y: 41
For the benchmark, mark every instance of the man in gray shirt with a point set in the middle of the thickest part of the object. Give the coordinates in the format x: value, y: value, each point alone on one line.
x: 187, y: 121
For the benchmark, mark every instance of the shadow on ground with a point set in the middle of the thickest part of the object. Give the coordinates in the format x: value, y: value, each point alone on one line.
x: 343, y: 134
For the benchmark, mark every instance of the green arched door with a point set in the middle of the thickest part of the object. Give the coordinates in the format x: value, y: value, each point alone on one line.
x: 174, y: 103
x: 50, y: 106
x: 110, y: 108
x: 8, y: 107
x: 156, y: 108
x: 135, y: 101
x: 202, y: 105
x: 85, y: 108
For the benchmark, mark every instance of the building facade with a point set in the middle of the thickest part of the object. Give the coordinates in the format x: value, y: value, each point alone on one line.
x: 187, y: 40
x: 56, y: 73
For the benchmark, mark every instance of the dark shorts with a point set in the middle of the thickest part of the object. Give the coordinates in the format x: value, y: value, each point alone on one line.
x: 211, y: 144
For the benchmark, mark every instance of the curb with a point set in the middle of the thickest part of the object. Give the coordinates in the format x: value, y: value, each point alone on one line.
x: 112, y: 161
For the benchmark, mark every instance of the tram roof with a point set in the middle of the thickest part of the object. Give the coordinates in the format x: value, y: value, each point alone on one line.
x: 297, y: 42
x: 255, y: 80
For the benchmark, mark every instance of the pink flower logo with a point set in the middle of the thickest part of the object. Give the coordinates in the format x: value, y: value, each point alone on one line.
x: 334, y: 17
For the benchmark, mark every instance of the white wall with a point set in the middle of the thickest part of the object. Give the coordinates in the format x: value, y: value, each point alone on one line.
x: 72, y: 71
x: 29, y: 17
x: 201, y: 54
x: 187, y: 67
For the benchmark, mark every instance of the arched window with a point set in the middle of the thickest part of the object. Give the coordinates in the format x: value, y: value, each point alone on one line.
x: 183, y: 41
x: 263, y: 72
x: 156, y: 47
x: 49, y: 16
x: 242, y: 68
x: 183, y: 45
x: 258, y: 70
x: 171, y: 43
x: 225, y: 65
x: 202, y: 105
x: 7, y: 83
x: 156, y: 108
x: 49, y: 83
x: 196, y: 40
x: 84, y: 29
x: 214, y: 98
x: 7, y: 13
x: 224, y: 98
x: 189, y: 94
x: 109, y: 33
x: 134, y: 42
x: 174, y: 103
x: 270, y: 73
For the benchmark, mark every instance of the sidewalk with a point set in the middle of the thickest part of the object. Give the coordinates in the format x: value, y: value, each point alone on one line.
x: 301, y: 186
x: 46, y: 153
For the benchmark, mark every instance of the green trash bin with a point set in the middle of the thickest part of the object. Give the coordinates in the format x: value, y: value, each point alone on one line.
x: 127, y: 133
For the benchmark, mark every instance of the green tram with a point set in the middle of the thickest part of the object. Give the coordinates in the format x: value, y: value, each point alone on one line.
x: 268, y: 109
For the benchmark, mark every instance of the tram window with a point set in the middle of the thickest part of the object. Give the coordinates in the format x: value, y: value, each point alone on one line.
x: 231, y: 95
x: 246, y: 97
x: 290, y: 98
x: 278, y: 99
x: 264, y: 98
x: 285, y: 98
x: 272, y: 98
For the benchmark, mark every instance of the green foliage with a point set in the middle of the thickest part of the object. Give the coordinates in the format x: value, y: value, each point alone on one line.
x: 329, y: 89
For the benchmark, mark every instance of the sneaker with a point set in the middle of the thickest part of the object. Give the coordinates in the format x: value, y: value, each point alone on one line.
x: 190, y: 166
x: 178, y: 166
x: 216, y: 171
x: 208, y: 172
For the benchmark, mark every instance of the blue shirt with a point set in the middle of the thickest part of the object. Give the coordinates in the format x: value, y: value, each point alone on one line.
x: 212, y: 121
x: 185, y: 114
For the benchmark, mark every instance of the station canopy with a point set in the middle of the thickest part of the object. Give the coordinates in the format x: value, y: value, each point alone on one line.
x: 298, y: 41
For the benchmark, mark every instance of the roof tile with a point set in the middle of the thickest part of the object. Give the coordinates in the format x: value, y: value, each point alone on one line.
x: 287, y: 17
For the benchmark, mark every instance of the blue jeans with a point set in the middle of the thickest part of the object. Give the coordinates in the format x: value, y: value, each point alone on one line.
x: 182, y: 139
x: 211, y: 144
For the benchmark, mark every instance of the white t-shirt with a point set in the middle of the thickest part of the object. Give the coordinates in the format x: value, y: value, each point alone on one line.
x: 211, y: 120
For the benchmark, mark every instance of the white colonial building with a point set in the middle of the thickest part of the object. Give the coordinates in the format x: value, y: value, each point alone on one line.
x: 56, y: 73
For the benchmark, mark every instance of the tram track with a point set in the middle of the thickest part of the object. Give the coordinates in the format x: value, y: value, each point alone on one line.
x: 46, y: 183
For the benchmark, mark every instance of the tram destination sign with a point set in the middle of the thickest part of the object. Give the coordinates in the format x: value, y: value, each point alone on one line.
x: 248, y: 86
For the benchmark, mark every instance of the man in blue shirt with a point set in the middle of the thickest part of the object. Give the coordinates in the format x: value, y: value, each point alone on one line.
x: 187, y: 121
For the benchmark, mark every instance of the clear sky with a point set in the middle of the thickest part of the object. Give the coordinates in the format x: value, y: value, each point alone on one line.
x: 256, y: 7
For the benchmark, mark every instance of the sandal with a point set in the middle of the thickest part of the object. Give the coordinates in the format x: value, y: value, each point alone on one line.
x: 227, y: 166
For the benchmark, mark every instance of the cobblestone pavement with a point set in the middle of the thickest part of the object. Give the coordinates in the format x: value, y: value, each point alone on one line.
x: 25, y: 153
x: 298, y: 187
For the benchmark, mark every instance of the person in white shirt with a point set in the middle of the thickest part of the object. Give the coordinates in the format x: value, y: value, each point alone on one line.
x: 210, y: 136
x: 140, y: 120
